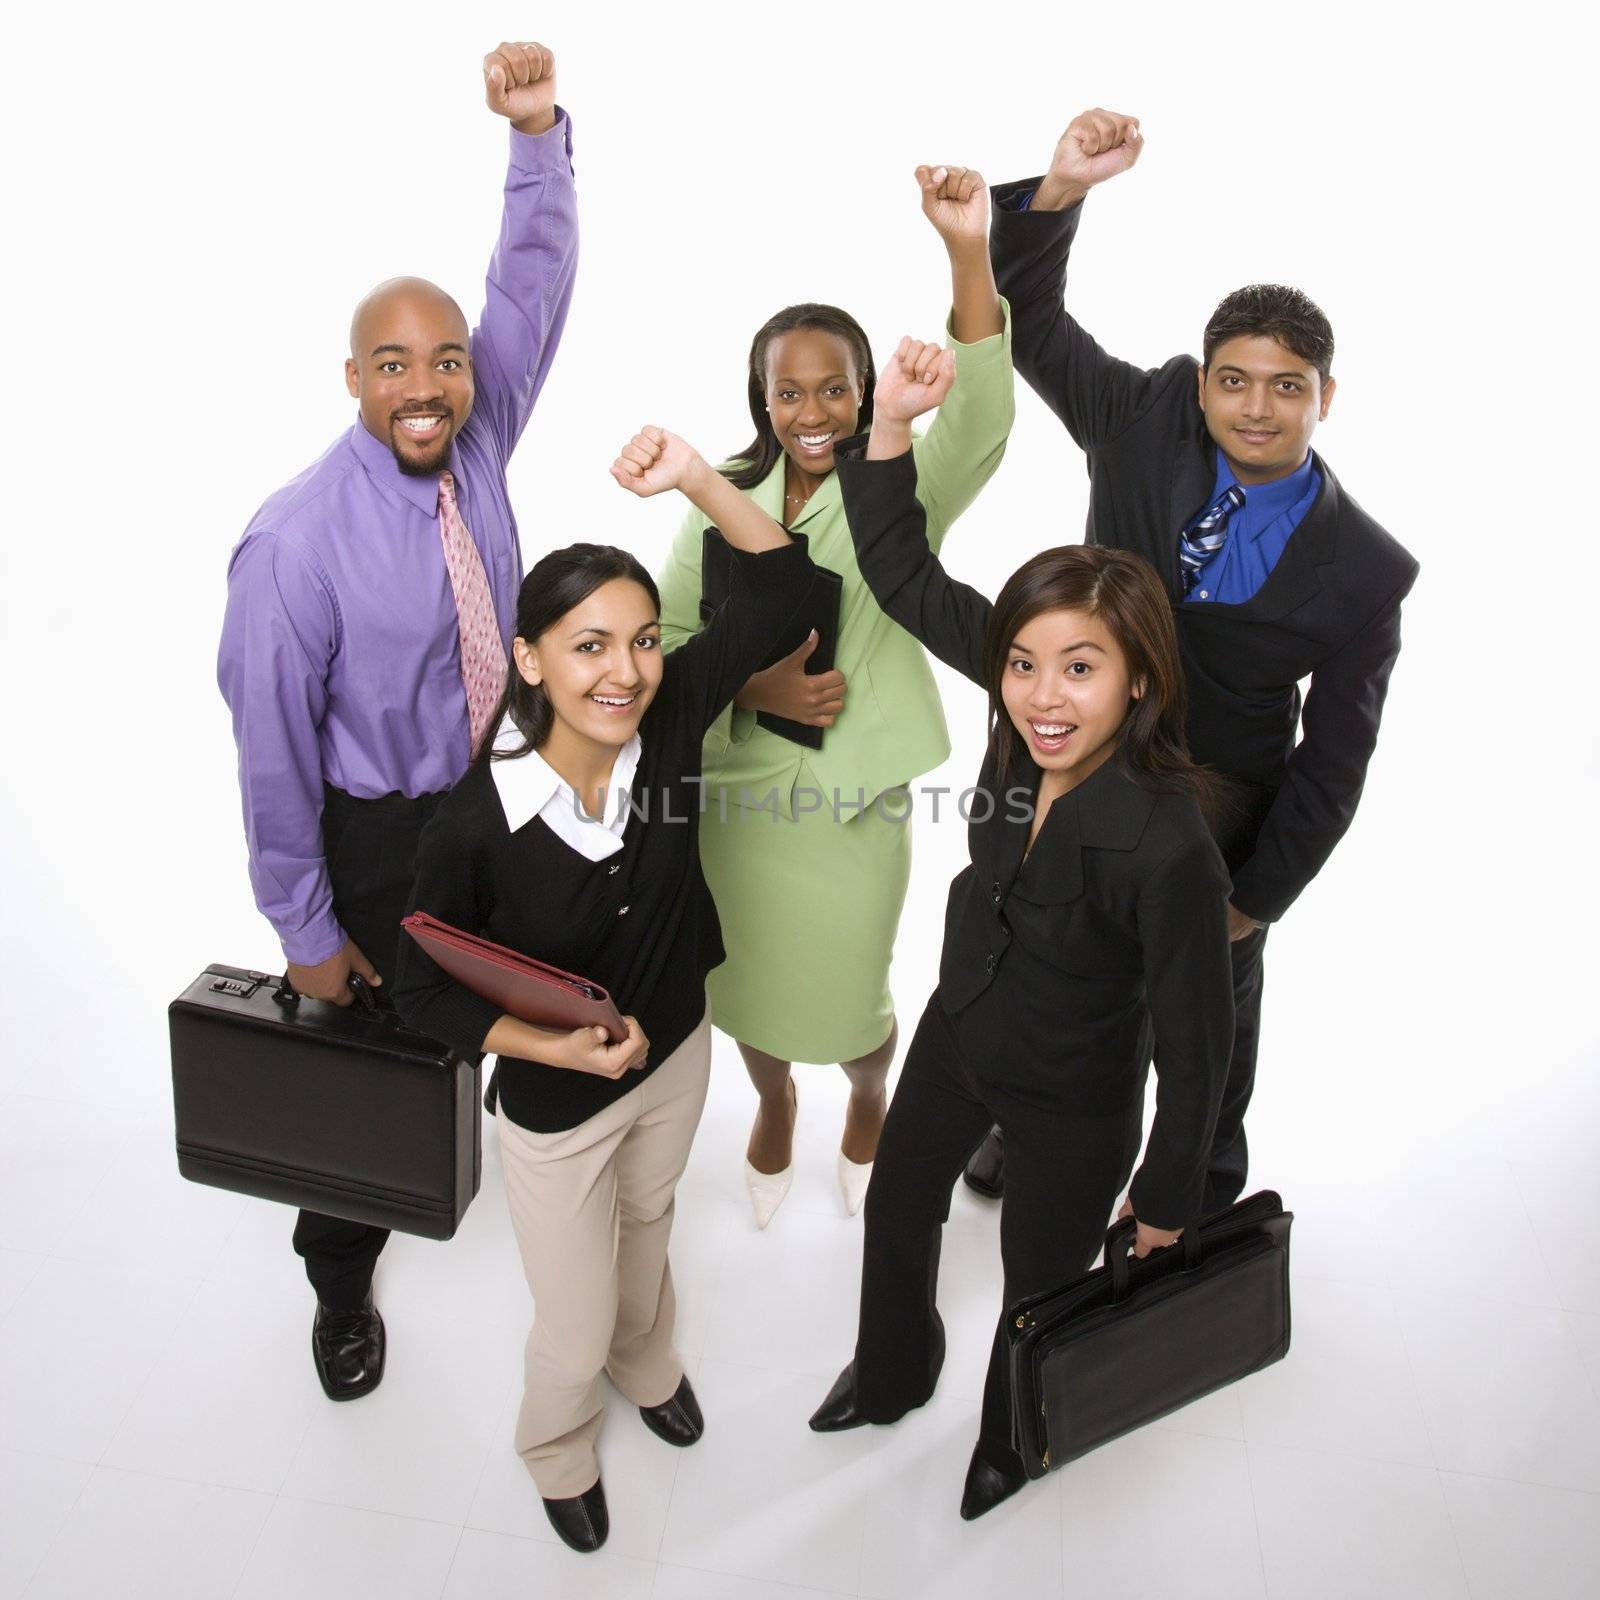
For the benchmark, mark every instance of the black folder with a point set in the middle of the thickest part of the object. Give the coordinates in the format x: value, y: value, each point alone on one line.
x: 819, y: 610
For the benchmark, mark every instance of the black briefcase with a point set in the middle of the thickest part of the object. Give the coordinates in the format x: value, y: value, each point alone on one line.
x: 1133, y: 1340
x: 336, y: 1109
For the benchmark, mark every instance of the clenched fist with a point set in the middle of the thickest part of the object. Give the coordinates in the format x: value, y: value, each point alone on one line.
x: 956, y: 202
x: 913, y: 380
x: 519, y: 82
x: 653, y: 461
x: 1097, y: 145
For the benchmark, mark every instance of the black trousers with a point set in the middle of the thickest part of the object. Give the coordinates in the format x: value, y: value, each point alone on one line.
x: 1064, y: 1174
x: 371, y: 851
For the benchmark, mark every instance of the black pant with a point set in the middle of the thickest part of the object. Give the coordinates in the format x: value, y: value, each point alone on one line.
x: 1063, y: 1176
x: 1230, y: 1151
x: 371, y: 851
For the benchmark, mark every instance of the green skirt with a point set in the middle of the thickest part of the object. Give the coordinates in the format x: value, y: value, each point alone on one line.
x: 809, y: 909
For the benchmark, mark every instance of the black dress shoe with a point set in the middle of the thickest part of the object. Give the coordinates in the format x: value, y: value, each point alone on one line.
x: 986, y: 1171
x: 348, y: 1349
x: 582, y: 1520
x: 841, y: 1409
x: 491, y: 1094
x: 987, y: 1485
x: 677, y: 1420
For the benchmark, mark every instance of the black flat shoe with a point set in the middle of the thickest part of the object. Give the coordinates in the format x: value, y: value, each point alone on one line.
x: 986, y: 1171
x: 677, y: 1420
x: 987, y: 1485
x: 839, y: 1411
x: 347, y: 1348
x: 582, y: 1520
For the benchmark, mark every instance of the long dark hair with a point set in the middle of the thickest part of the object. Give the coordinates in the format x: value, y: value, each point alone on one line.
x: 755, y: 461
x: 562, y: 580
x: 1122, y: 591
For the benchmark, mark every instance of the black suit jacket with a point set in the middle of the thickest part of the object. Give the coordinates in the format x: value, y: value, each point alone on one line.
x: 1329, y: 611
x: 1110, y: 934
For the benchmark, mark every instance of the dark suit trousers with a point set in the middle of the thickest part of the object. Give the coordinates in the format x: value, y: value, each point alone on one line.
x: 371, y: 850
x: 1230, y: 1152
x: 1063, y: 1176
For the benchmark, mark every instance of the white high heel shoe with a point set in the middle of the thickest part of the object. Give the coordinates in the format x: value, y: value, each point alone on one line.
x: 768, y: 1190
x: 854, y: 1176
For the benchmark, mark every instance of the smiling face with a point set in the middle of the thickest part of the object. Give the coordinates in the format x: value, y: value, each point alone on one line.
x: 600, y: 664
x: 1066, y: 688
x: 814, y: 396
x: 411, y: 371
x: 1262, y: 404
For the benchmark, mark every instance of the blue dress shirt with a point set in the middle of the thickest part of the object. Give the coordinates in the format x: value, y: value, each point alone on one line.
x: 1257, y: 532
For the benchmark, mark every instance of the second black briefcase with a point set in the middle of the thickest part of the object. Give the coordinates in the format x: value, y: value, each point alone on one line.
x: 1133, y: 1340
x: 335, y: 1109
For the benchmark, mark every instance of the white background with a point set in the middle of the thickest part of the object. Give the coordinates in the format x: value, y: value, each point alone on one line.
x: 200, y: 203
x: 197, y: 198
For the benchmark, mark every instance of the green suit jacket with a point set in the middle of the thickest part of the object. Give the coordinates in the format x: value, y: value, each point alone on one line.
x: 892, y: 728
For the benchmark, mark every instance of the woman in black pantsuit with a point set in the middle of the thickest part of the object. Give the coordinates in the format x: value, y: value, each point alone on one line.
x: 1090, y: 924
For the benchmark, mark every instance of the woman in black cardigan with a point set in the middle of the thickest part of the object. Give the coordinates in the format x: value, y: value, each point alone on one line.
x: 575, y: 840
x: 1089, y: 929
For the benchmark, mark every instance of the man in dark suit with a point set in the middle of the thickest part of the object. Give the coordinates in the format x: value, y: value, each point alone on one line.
x: 1276, y: 575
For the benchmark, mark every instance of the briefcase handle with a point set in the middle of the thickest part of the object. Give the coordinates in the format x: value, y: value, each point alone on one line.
x: 287, y: 995
x: 1119, y: 1242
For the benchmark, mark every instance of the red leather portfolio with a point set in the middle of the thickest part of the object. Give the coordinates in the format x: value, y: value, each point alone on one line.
x: 522, y: 987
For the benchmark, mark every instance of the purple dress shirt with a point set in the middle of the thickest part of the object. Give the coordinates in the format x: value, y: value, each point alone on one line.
x: 340, y: 657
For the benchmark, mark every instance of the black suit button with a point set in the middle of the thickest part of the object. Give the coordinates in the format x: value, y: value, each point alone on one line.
x: 994, y: 889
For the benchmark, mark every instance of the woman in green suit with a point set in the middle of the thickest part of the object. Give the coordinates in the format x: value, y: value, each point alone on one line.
x: 808, y: 852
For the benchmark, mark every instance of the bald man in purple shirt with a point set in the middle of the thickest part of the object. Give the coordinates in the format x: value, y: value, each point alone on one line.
x: 370, y: 605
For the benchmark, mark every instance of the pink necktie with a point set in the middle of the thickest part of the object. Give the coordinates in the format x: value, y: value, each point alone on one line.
x: 483, y: 656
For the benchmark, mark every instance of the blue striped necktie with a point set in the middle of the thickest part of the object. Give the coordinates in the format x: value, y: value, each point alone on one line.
x: 1205, y: 533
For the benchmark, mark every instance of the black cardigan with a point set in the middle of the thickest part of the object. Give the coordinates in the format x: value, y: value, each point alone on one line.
x: 1114, y: 923
x: 641, y: 922
x: 1330, y: 610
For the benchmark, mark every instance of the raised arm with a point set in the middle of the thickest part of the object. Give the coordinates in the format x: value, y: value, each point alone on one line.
x: 1093, y: 393
x: 956, y: 202
x: 530, y: 276
x: 967, y: 439
x: 889, y: 525
x: 771, y: 573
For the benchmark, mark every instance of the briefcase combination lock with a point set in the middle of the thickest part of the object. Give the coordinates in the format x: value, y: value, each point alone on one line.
x: 240, y: 988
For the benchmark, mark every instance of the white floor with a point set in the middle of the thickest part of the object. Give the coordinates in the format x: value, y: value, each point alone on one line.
x: 1435, y: 1430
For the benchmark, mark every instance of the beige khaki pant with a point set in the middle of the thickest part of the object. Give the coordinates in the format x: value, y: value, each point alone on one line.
x: 592, y: 1210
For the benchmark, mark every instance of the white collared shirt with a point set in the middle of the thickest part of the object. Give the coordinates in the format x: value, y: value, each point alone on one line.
x: 529, y: 786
